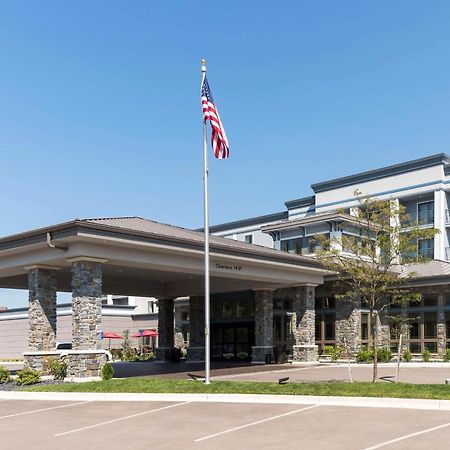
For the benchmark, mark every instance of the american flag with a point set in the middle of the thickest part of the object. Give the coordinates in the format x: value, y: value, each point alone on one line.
x: 219, y: 139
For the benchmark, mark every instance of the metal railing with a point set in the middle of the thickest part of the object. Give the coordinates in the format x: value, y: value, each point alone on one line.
x: 421, y: 218
x: 426, y: 253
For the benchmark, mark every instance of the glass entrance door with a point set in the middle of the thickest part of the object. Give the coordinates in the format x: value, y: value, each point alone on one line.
x: 232, y: 341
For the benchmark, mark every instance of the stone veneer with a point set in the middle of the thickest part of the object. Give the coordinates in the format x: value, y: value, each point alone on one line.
x: 196, y: 350
x: 305, y: 348
x: 263, y: 348
x: 383, y: 332
x: 42, y: 310
x: 165, y: 329
x: 441, y: 325
x: 84, y: 364
x: 348, y: 325
x: 40, y: 360
x: 86, y: 304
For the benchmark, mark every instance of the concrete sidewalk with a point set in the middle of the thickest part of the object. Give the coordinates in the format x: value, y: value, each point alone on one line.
x: 366, y: 402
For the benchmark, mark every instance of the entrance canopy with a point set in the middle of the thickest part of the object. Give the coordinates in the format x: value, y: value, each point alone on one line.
x: 146, y: 258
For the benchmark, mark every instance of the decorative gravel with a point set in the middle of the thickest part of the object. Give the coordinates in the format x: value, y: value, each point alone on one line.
x: 13, y: 386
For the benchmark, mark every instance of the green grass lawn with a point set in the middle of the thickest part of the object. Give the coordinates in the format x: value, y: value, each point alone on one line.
x: 155, y: 385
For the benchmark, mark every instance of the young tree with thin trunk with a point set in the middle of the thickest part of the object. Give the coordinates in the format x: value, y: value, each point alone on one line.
x: 371, y: 256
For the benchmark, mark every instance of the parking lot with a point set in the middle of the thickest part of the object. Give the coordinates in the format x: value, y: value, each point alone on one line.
x: 70, y: 425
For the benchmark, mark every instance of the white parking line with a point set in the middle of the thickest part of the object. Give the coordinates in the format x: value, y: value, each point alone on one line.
x: 407, y: 436
x: 43, y: 409
x: 255, y: 423
x: 261, y: 372
x: 117, y: 420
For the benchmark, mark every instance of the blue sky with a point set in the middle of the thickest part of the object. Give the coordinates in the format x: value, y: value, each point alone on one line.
x: 100, y: 111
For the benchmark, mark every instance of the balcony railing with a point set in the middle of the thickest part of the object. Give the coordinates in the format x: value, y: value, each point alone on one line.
x: 427, y: 253
x: 421, y: 218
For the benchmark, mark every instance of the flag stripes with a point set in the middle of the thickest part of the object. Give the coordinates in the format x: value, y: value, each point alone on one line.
x: 219, y: 139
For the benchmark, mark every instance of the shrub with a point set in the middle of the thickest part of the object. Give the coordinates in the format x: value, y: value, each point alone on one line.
x: 4, y: 375
x: 426, y: 355
x: 364, y: 355
x: 107, y: 371
x: 447, y: 355
x: 116, y: 353
x: 28, y: 376
x: 335, y: 353
x: 58, y: 369
x: 147, y: 356
x: 407, y: 356
x: 384, y: 354
x: 327, y: 349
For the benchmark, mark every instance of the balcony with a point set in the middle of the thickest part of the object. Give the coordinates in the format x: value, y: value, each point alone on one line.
x: 421, y: 218
x: 427, y: 253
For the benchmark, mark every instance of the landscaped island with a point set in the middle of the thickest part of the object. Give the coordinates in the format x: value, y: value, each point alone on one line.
x: 155, y: 385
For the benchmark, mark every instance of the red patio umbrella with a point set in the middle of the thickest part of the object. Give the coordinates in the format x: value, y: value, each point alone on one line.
x: 143, y: 334
x: 110, y: 335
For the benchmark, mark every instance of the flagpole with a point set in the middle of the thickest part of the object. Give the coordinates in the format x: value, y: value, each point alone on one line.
x: 206, y: 231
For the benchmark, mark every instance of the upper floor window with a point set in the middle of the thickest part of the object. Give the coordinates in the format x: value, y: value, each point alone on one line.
x: 425, y: 213
x: 249, y: 238
x: 306, y: 245
x: 425, y: 248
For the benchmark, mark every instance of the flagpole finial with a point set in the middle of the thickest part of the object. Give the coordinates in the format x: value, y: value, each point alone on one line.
x: 203, y: 65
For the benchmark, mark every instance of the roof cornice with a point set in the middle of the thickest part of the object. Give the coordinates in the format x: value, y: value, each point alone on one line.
x: 218, y: 245
x: 247, y: 222
x: 300, y: 202
x: 396, y: 169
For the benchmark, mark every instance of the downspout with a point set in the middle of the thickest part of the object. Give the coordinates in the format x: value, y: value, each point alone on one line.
x: 51, y: 245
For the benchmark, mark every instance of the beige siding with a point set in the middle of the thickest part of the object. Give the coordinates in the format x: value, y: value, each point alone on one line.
x: 14, y: 332
x: 13, y: 338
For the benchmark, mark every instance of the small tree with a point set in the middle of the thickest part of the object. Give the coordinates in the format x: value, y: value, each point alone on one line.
x: 127, y: 350
x: 371, y: 261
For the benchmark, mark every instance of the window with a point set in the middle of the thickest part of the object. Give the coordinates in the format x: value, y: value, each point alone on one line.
x: 430, y: 326
x: 430, y: 300
x: 249, y: 238
x: 425, y: 248
x: 425, y: 213
x: 329, y: 327
x: 305, y: 245
x: 364, y: 327
x: 447, y: 323
x: 414, y: 328
x: 227, y: 309
x: 122, y: 301
x: 242, y: 309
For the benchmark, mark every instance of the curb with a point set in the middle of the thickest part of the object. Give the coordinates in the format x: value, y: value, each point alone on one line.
x: 361, y: 402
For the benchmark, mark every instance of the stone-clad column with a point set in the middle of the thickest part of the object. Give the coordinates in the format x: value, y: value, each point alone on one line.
x: 86, y: 303
x: 196, y: 350
x: 42, y: 309
x: 305, y: 348
x: 441, y: 332
x: 383, y: 331
x: 263, y: 347
x: 165, y: 329
x: 348, y: 325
